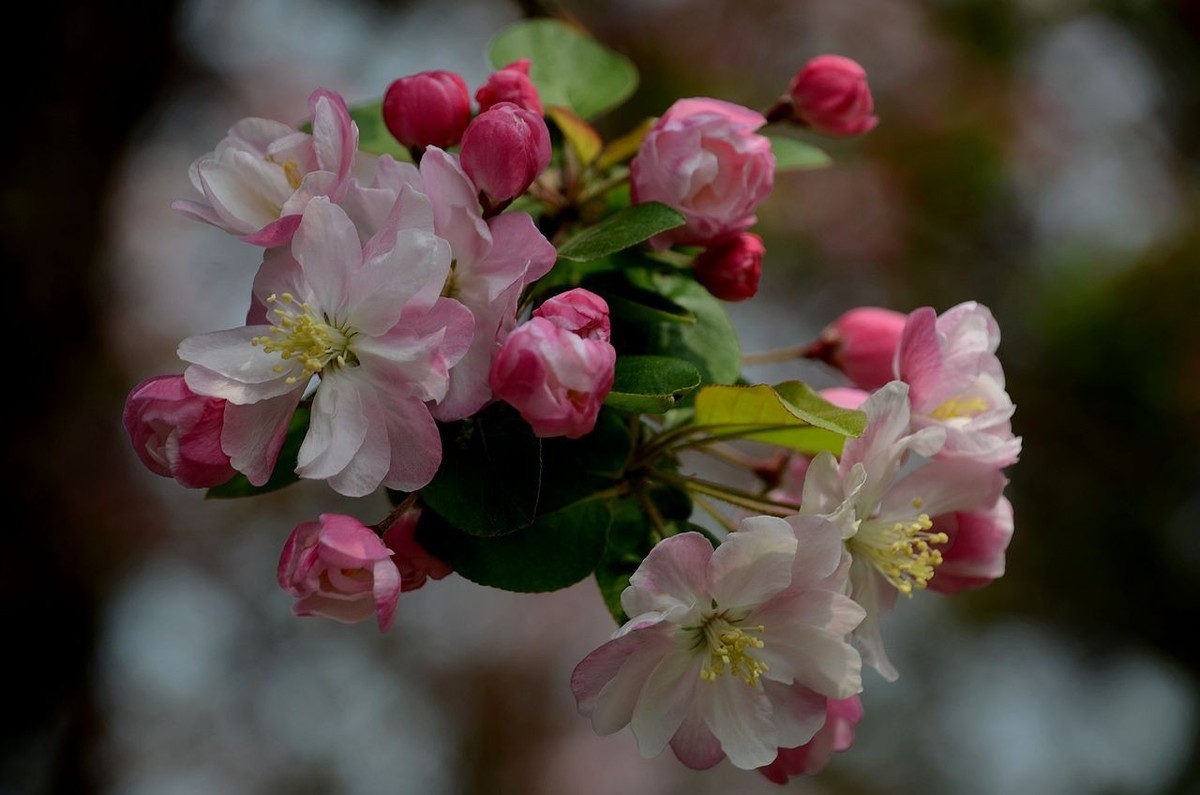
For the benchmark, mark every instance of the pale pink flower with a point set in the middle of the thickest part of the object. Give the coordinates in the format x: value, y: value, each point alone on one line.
x: 730, y: 270
x: 510, y: 84
x: 887, y: 479
x: 580, y: 312
x: 862, y: 344
x: 369, y: 321
x: 338, y: 568
x: 493, y: 260
x: 957, y: 383
x: 704, y: 158
x: 504, y: 149
x: 731, y: 652
x: 973, y: 554
x: 837, y: 735
x: 177, y: 433
x: 555, y: 378
x: 427, y: 109
x: 261, y: 176
x: 830, y: 95
x: 415, y: 562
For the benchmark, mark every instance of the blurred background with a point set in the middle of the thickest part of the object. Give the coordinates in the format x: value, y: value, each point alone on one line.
x: 1039, y: 156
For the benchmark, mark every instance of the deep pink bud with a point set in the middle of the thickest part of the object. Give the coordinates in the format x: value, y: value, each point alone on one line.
x: 579, y: 311
x: 862, y: 344
x: 557, y: 379
x: 427, y: 109
x: 830, y: 95
x: 510, y: 84
x: 841, y: 716
x: 731, y: 270
x: 177, y: 433
x: 416, y: 564
x: 338, y: 568
x: 504, y: 149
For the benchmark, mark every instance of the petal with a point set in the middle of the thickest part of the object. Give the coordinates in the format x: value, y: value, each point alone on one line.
x: 378, y: 292
x: 607, y: 682
x: 253, y: 435
x: 919, y: 354
x: 798, y: 712
x: 694, y: 744
x: 336, y: 431
x: 673, y: 574
x: 665, y: 699
x: 416, y: 445
x: 753, y: 564
x: 818, y: 548
x: 942, y: 487
x: 327, y: 247
x: 877, y: 597
x: 519, y: 252
x: 739, y: 715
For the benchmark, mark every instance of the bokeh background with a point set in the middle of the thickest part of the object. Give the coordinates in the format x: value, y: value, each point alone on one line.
x: 1040, y: 156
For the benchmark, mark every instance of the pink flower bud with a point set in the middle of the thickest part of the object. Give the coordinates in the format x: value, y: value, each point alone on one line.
x: 830, y: 95
x: 427, y: 109
x: 557, y: 379
x: 415, y: 563
x: 731, y: 270
x: 704, y: 158
x: 338, y: 568
x: 862, y: 344
x: 841, y: 716
x: 579, y: 311
x: 177, y: 433
x: 510, y: 84
x: 504, y: 149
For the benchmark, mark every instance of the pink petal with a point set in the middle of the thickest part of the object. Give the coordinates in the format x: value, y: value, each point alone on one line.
x: 253, y: 435
x: 753, y: 564
x: 694, y: 744
x: 673, y: 574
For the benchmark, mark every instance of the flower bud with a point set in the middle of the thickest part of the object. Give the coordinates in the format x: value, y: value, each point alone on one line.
x: 504, y: 149
x: 177, y: 433
x: 731, y: 270
x: 831, y: 96
x: 338, y: 568
x: 510, y: 84
x: 416, y: 564
x: 862, y: 344
x: 557, y: 379
x: 427, y: 109
x: 579, y: 311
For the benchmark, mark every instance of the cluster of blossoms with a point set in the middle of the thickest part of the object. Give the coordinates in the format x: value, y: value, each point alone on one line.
x: 518, y: 338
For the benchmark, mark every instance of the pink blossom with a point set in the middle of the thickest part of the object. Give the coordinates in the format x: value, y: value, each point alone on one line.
x: 416, y: 564
x: 510, y: 84
x: 427, y: 109
x: 837, y: 735
x: 177, y: 433
x: 830, y: 95
x: 731, y: 652
x: 862, y: 344
x: 704, y: 158
x: 730, y: 270
x: 370, y: 322
x: 956, y: 382
x: 973, y: 554
x: 579, y: 311
x: 263, y: 174
x: 338, y: 568
x: 504, y: 149
x: 557, y: 379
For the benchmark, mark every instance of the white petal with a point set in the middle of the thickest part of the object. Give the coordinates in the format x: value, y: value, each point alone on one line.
x: 673, y: 574
x: 665, y: 699
x: 740, y: 717
x: 253, y: 435
x: 753, y: 564
x: 336, y: 430
x: 327, y: 247
x: 798, y: 712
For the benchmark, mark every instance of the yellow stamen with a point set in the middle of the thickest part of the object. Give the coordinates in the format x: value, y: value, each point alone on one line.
x: 291, y: 170
x: 902, y: 552
x: 729, y: 649
x: 299, y: 334
x: 955, y: 408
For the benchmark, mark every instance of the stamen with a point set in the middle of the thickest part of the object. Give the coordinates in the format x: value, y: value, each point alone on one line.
x: 955, y: 408
x: 729, y: 649
x: 298, y: 333
x: 902, y: 551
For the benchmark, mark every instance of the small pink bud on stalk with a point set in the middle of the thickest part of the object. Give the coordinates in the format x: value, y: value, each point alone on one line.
x: 731, y: 270
x: 427, y: 109
x: 830, y: 96
x: 177, y: 433
x: 510, y: 84
x: 862, y: 344
x: 504, y: 149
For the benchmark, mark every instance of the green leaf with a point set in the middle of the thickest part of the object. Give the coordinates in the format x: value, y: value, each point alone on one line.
x: 557, y: 550
x: 634, y: 303
x: 373, y: 135
x: 651, y: 384
x: 569, y: 67
x: 790, y: 415
x: 792, y: 154
x: 285, y: 467
x: 573, y: 470
x: 619, y: 231
x: 490, y: 480
x: 711, y: 343
x: 583, y: 139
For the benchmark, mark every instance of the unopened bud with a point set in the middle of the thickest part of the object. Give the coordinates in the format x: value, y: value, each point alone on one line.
x: 510, y: 84
x: 862, y: 344
x: 731, y: 270
x: 427, y: 109
x: 830, y: 95
x: 504, y: 149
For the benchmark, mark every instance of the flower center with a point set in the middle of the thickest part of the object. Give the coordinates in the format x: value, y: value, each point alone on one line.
x: 298, y: 333
x: 902, y: 551
x: 729, y: 649
x: 955, y: 408
x: 291, y: 170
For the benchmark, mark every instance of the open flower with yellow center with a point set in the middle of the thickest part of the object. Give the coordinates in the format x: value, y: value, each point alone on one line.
x: 895, y: 489
x: 368, y: 322
x: 730, y: 652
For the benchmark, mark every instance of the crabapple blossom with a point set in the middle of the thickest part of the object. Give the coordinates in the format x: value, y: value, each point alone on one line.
x: 704, y: 158
x: 510, y: 84
x: 427, y: 109
x: 862, y: 343
x: 731, y: 270
x: 729, y: 652
x: 416, y: 564
x: 177, y: 433
x: 956, y: 382
x: 370, y: 322
x: 504, y: 149
x: 842, y: 715
x: 338, y: 568
x: 262, y: 175
x: 830, y: 95
x: 579, y: 311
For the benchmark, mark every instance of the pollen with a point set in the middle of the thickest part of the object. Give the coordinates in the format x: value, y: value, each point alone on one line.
x: 955, y: 408
x: 297, y: 333
x: 903, y: 552
x: 729, y: 648
x: 291, y: 170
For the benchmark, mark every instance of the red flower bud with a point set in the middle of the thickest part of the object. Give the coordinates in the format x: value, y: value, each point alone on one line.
x: 427, y: 109
x: 510, y: 84
x: 862, y: 344
x: 730, y: 270
x: 504, y: 149
x: 831, y: 96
